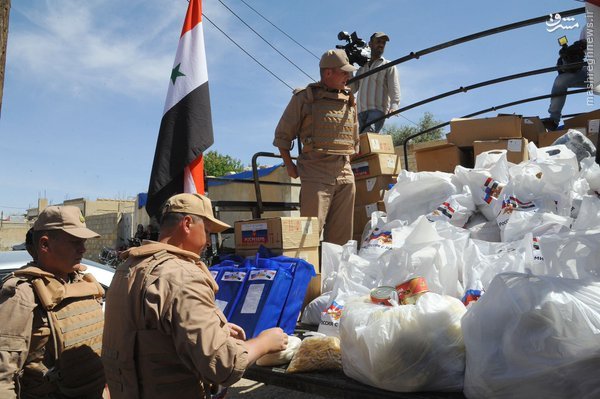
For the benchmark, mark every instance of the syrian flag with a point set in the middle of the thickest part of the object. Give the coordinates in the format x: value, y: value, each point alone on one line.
x: 186, y: 126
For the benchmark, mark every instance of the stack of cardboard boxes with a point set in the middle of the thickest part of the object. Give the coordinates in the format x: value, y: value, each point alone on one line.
x: 587, y: 123
x: 470, y: 137
x: 375, y: 168
x: 294, y: 237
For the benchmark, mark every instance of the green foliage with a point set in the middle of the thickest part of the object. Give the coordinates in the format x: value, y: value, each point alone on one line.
x: 399, y: 134
x: 216, y: 164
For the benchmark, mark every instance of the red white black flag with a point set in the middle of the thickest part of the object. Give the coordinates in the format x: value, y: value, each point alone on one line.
x: 186, y: 126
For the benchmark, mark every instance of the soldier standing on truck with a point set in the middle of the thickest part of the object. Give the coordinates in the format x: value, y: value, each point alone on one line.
x: 323, y: 116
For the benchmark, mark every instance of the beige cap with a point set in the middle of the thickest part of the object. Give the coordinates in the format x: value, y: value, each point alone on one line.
x: 380, y: 34
x: 336, y: 59
x: 66, y: 218
x: 195, y: 204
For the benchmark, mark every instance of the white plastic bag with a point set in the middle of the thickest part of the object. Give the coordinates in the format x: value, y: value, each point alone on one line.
x: 589, y: 214
x: 456, y: 209
x: 404, y: 348
x: 484, y: 260
x: 572, y: 255
x: 520, y: 223
x: 533, y: 337
x: 378, y: 239
x: 331, y: 256
x: 557, y: 153
x: 420, y: 251
x: 417, y: 194
x: 485, y: 185
x: 312, y: 312
x: 590, y: 171
x: 482, y: 229
x: 356, y: 277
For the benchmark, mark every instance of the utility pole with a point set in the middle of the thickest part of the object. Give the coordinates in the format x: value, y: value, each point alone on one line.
x: 5, y: 10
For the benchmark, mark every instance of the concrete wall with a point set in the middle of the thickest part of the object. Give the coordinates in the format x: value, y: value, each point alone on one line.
x: 101, y: 206
x: 12, y: 234
x: 107, y: 225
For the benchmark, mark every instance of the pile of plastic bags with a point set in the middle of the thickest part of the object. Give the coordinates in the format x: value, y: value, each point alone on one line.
x: 525, y: 237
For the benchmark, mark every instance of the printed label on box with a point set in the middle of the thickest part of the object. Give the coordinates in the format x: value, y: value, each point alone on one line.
x: 254, y: 233
x: 594, y: 126
x: 371, y: 183
x: 374, y: 143
x: 391, y: 162
x: 360, y: 168
x: 514, y: 145
x: 233, y: 276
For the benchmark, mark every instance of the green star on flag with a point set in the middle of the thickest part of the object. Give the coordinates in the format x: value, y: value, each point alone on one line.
x: 175, y: 73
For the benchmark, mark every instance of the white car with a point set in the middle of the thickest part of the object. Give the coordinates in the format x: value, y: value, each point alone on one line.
x: 13, y: 260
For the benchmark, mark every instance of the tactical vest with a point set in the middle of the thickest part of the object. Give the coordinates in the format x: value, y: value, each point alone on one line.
x: 76, y: 321
x: 330, y: 123
x: 140, y: 362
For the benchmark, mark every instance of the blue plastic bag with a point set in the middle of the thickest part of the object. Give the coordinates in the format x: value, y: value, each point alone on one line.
x: 230, y: 277
x: 263, y: 296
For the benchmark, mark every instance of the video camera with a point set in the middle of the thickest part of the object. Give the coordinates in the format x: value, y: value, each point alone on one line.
x: 356, y: 48
x: 574, y: 53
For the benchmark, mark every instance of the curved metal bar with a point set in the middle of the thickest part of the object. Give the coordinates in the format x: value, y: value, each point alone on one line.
x: 464, y: 39
x: 464, y: 89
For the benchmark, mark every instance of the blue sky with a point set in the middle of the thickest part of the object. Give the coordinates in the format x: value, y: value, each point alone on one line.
x: 86, y: 81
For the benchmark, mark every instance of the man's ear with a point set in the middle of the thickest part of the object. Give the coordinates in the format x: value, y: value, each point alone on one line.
x: 187, y: 223
x: 44, y: 243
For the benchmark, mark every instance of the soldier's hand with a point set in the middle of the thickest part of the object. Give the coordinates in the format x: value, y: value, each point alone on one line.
x: 236, y: 331
x: 292, y: 171
x: 276, y: 340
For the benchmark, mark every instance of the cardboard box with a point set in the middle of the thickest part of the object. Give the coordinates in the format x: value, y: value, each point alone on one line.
x: 280, y: 232
x: 443, y: 158
x: 372, y: 189
x: 516, y: 148
x: 313, y: 291
x: 463, y: 132
x: 374, y: 143
x: 531, y: 128
x: 311, y: 255
x: 546, y: 139
x: 362, y: 214
x: 582, y: 120
x: 375, y: 165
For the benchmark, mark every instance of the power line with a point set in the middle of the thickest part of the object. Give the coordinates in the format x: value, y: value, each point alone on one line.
x: 247, y: 53
x: 408, y: 119
x: 266, y: 41
x: 276, y: 27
